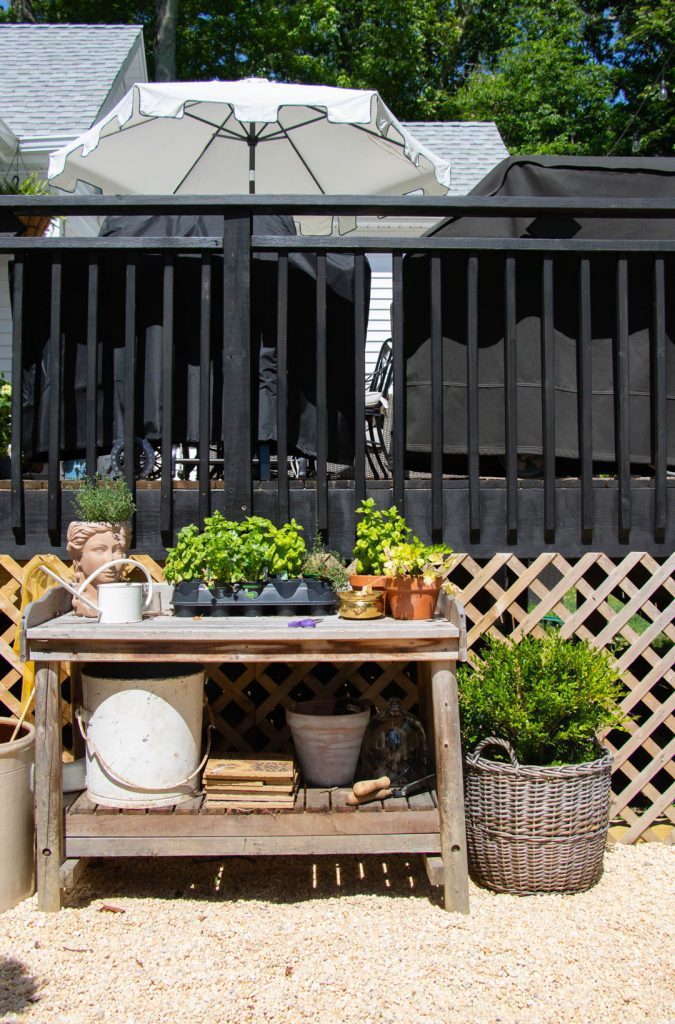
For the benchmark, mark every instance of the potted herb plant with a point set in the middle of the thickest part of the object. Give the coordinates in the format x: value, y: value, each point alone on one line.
x: 250, y: 567
x: 31, y: 185
x: 537, y: 808
x: 101, y: 532
x: 414, y: 574
x: 376, y: 530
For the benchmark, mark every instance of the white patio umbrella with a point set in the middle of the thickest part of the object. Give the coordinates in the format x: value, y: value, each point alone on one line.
x: 210, y: 138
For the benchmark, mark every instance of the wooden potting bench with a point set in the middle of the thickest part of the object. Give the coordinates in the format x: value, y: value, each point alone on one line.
x: 430, y: 823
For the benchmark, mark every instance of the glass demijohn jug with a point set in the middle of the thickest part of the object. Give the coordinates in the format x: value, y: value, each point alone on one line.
x: 394, y: 745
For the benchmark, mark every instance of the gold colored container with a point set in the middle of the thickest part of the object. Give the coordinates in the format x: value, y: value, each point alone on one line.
x: 361, y: 604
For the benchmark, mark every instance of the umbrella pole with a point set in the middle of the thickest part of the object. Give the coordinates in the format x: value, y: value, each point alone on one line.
x: 251, y: 159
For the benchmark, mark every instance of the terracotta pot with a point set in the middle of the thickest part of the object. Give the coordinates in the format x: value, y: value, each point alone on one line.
x: 357, y: 581
x: 411, y: 598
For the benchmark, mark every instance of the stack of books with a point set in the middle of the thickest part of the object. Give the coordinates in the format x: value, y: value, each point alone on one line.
x: 254, y: 782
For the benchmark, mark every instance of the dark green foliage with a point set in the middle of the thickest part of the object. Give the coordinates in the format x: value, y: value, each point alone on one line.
x: 103, y: 501
x: 547, y: 696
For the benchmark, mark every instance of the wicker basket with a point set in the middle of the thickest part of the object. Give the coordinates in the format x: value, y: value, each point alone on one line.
x: 534, y: 829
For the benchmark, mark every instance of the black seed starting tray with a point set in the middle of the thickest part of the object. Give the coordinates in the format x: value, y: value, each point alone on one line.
x: 276, y: 597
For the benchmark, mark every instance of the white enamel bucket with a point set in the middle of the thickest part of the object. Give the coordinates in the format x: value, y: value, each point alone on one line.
x: 143, y: 726
x: 17, y: 831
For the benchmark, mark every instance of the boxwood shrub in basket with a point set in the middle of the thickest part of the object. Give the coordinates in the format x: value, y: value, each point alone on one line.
x: 537, y: 783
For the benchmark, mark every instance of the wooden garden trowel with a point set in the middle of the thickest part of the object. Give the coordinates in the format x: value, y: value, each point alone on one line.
x: 381, y: 789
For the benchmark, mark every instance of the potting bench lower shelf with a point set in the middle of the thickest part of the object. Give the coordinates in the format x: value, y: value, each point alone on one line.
x: 320, y: 823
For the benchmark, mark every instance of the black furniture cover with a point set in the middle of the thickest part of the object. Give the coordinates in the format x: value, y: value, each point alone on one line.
x: 581, y: 177
x: 301, y: 411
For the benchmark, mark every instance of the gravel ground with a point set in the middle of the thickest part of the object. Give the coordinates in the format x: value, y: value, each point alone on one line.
x: 355, y: 940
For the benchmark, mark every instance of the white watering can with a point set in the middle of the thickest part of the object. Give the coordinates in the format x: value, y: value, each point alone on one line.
x: 117, y: 602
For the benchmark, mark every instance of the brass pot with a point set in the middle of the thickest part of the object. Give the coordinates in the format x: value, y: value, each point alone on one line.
x: 361, y: 604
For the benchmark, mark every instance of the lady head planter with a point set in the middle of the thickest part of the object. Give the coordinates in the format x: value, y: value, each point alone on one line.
x: 91, y: 545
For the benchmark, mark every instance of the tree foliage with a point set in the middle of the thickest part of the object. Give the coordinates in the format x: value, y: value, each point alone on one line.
x: 574, y: 76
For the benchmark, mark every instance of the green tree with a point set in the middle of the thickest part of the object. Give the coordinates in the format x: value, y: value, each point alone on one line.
x: 573, y: 76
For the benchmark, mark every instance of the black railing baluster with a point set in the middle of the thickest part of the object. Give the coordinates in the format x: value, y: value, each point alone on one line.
x: 18, y: 510
x: 398, y: 385
x: 584, y: 399
x: 283, y: 495
x: 436, y: 401
x: 166, y: 486
x: 359, y: 378
x: 473, y: 457
x: 204, y: 440
x: 622, y: 397
x: 237, y: 426
x: 91, y: 451
x: 55, y: 392
x: 548, y: 398
x: 659, y: 400
x: 321, y: 393
x: 130, y: 374
x: 510, y: 401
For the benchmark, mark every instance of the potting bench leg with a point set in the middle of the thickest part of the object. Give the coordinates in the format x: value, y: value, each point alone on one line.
x: 48, y: 785
x: 449, y: 785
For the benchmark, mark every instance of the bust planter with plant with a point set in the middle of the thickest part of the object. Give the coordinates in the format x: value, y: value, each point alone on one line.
x: 100, y: 533
x: 537, y: 808
x: 376, y: 530
x: 250, y: 567
x: 415, y: 573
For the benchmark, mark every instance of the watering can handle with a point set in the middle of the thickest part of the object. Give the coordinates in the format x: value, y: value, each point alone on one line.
x: 78, y: 591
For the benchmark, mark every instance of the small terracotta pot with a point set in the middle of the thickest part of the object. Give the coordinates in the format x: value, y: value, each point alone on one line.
x: 412, y: 598
x: 358, y: 581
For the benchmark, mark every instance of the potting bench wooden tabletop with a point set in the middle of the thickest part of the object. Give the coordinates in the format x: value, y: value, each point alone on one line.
x: 320, y: 822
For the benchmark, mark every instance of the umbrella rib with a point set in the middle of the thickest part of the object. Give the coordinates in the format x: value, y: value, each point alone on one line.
x: 215, y: 135
x: 303, y: 161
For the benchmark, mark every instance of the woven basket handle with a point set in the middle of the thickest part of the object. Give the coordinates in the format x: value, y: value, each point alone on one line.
x: 493, y: 741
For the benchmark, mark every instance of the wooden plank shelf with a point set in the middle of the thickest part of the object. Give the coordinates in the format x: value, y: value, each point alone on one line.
x: 319, y: 822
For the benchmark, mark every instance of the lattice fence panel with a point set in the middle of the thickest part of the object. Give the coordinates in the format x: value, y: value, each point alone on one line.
x: 627, y: 607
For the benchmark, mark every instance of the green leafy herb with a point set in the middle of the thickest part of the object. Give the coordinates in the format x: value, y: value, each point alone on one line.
x: 376, y: 530
x: 322, y: 564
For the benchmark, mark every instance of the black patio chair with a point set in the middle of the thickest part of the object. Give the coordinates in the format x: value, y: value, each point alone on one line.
x: 378, y: 402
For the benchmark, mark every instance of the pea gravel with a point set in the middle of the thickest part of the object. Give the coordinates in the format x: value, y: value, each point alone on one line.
x: 357, y: 939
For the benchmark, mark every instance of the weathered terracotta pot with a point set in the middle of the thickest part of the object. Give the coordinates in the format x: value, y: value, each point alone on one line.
x: 327, y: 743
x: 357, y: 581
x: 411, y: 598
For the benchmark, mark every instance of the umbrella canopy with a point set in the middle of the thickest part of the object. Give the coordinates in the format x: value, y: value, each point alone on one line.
x: 207, y: 138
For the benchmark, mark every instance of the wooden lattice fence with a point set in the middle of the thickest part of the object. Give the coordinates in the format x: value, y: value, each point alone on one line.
x: 625, y: 606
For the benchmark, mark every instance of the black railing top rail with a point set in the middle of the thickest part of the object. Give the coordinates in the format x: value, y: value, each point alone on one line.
x: 420, y: 206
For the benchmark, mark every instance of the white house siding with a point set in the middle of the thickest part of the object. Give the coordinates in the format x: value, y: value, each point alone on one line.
x: 5, y: 319
x: 379, y: 316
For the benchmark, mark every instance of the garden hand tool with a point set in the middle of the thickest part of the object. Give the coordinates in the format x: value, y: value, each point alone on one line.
x: 376, y: 791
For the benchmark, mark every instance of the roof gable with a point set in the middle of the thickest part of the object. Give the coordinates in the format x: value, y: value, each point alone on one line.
x: 472, y: 148
x: 55, y: 79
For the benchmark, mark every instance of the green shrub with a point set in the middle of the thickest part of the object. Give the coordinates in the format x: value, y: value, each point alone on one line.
x: 547, y: 696
x: 5, y: 414
x: 103, y: 501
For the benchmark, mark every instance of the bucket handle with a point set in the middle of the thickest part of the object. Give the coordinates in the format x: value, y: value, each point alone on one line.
x: 78, y: 591
x: 116, y: 777
x: 494, y: 741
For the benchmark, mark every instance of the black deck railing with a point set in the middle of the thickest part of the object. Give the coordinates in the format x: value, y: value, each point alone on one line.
x: 569, y: 507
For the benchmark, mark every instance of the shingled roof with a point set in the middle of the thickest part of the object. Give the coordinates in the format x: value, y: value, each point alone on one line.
x: 56, y: 80
x: 472, y: 148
